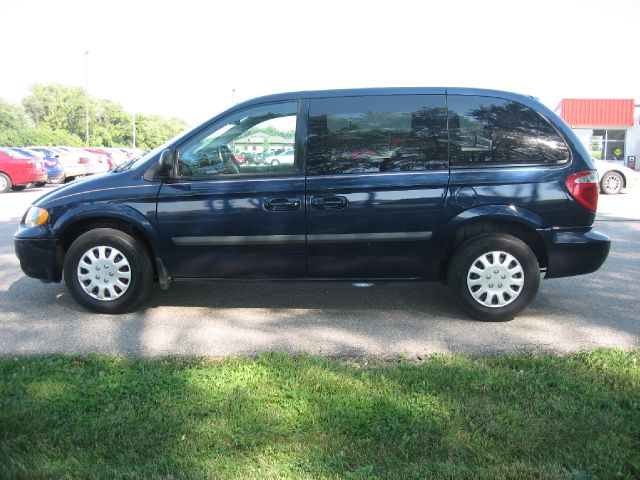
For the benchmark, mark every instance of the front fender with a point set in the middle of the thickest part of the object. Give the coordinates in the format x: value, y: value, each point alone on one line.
x: 107, y: 211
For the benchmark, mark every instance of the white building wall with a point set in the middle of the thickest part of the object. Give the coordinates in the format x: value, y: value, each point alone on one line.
x: 633, y: 138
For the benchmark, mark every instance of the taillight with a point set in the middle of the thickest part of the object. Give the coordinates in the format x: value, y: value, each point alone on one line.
x: 34, y: 164
x: 583, y: 186
x: 83, y: 160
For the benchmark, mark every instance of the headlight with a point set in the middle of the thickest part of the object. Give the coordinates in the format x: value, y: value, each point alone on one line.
x: 35, y: 217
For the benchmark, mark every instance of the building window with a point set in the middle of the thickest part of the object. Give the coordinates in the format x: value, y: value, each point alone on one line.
x: 607, y: 144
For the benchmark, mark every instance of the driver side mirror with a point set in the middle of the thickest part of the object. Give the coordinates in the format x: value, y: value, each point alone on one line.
x: 165, y: 164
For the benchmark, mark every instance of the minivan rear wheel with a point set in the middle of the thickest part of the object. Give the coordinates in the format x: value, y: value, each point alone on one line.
x: 493, y: 276
x: 108, y: 271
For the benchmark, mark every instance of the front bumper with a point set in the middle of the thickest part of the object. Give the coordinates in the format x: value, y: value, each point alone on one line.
x: 574, y: 252
x: 40, y: 258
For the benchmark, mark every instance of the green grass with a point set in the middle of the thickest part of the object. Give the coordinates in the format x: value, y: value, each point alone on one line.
x: 299, y: 417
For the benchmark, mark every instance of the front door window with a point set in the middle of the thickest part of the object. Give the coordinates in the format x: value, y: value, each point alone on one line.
x: 257, y: 141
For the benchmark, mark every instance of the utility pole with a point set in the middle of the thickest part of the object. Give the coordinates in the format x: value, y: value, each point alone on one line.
x: 86, y: 98
x: 133, y: 126
x: 233, y: 96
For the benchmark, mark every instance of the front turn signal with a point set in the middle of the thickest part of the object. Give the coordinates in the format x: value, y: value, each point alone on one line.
x: 36, y: 217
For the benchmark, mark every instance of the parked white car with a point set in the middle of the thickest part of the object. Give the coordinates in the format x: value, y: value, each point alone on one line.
x: 284, y: 158
x: 614, y: 176
x: 70, y: 164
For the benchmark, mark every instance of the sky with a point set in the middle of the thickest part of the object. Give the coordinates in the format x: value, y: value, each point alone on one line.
x: 185, y: 58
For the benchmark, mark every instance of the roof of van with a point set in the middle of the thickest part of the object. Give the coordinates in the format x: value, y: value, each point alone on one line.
x: 355, y: 92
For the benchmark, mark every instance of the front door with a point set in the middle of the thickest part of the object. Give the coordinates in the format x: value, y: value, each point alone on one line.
x: 230, y: 210
x: 377, y: 172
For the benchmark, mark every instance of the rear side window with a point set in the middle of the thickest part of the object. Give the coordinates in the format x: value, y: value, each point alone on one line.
x: 369, y: 134
x: 494, y: 131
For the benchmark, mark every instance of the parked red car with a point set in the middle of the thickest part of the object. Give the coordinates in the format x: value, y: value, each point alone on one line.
x: 18, y: 171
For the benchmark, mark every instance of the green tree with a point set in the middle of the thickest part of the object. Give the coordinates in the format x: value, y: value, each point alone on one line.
x: 16, y: 131
x: 153, y: 130
x: 12, y: 117
x: 112, y: 125
x: 38, y: 136
x: 55, y: 114
x: 58, y: 107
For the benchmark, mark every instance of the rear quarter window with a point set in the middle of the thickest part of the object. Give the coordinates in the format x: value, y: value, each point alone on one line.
x: 495, y: 131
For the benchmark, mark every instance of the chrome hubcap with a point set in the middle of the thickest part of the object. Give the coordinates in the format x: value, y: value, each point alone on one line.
x: 3, y: 183
x: 612, y: 183
x: 495, y: 279
x: 104, y: 273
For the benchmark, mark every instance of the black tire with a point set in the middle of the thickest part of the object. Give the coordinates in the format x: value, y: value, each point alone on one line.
x: 611, y: 183
x: 465, y: 258
x: 141, y: 270
x: 19, y: 188
x: 39, y: 184
x: 5, y: 183
x: 275, y: 162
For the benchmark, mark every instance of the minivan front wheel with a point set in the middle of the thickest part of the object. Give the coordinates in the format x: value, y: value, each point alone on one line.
x: 108, y: 271
x: 493, y: 276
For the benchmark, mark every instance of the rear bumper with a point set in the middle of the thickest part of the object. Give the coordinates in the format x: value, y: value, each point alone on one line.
x: 54, y: 173
x: 74, y: 170
x: 28, y: 176
x: 43, y: 177
x: 40, y: 258
x: 574, y: 252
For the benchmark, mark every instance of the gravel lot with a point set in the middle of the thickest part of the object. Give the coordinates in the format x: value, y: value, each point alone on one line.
x: 337, y: 319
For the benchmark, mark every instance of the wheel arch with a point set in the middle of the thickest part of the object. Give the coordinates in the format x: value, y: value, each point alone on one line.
x: 520, y: 223
x: 619, y: 172
x: 71, y: 226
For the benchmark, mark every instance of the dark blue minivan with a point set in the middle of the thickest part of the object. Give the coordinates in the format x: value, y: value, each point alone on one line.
x: 483, y: 189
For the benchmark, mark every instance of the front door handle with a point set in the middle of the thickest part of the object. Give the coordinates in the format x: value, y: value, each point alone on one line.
x: 333, y: 202
x: 281, y: 204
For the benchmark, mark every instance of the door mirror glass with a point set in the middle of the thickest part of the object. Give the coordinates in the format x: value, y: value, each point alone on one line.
x: 165, y: 164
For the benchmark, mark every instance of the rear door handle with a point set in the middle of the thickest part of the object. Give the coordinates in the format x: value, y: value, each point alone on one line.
x: 333, y: 202
x: 281, y: 204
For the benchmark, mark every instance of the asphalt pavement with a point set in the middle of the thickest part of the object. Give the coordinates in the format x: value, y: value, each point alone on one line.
x: 331, y: 318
